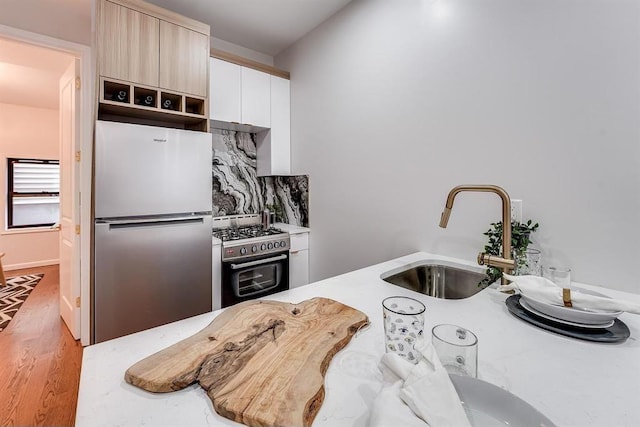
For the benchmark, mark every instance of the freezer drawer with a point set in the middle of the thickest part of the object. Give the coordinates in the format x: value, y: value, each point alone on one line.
x: 147, y: 170
x: 148, y: 273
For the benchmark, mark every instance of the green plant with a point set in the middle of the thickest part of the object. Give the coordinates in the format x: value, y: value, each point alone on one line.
x: 520, y: 240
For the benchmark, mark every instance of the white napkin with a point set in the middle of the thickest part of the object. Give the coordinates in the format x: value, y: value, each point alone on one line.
x: 422, y: 394
x: 545, y: 290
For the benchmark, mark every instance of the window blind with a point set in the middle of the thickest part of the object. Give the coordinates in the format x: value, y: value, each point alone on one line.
x: 34, y: 178
x: 33, y: 193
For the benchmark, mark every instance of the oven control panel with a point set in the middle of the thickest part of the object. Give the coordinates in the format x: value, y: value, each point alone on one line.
x: 247, y: 248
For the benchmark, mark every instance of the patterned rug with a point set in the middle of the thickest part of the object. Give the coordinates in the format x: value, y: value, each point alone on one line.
x: 14, y: 295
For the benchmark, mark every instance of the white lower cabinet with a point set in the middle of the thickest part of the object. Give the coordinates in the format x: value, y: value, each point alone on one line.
x: 298, y: 268
x: 299, y: 260
x: 216, y: 276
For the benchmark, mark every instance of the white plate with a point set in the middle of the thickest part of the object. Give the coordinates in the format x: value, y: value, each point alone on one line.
x: 530, y: 309
x: 573, y: 314
x: 487, y: 405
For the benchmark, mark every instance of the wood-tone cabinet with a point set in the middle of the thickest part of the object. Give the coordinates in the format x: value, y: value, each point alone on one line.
x: 184, y: 57
x: 128, y: 43
x: 153, y: 64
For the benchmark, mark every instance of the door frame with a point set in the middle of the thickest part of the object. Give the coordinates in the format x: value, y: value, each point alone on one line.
x: 86, y: 106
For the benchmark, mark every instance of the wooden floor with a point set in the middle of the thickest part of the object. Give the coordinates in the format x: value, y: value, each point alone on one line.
x: 39, y: 360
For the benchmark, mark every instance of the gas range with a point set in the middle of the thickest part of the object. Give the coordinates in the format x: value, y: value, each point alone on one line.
x: 251, y: 240
x: 244, y: 232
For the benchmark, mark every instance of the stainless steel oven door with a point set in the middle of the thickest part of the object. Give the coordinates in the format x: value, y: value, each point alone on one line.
x: 254, y: 278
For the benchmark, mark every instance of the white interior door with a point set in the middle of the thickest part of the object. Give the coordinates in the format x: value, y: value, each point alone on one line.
x: 69, y: 197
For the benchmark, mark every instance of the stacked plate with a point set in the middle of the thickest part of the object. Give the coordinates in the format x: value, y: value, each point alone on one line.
x: 571, y: 316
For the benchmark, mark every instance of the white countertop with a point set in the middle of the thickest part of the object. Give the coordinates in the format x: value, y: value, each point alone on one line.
x: 573, y: 382
x: 290, y: 228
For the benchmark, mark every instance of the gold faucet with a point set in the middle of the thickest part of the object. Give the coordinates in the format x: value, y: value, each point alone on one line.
x: 506, y: 264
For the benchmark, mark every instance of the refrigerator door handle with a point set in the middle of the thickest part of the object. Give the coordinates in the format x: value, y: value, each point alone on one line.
x: 138, y: 223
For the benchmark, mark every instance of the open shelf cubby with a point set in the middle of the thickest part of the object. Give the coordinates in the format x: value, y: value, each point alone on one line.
x: 132, y: 101
x: 194, y: 106
x: 171, y: 101
x: 117, y: 92
x: 145, y: 97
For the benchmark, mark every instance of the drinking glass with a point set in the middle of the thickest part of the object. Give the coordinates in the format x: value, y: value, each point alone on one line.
x: 403, y: 324
x: 530, y: 263
x: 561, y: 276
x: 457, y: 349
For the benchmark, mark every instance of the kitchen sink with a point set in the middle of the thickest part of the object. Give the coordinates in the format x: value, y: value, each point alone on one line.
x: 437, y: 280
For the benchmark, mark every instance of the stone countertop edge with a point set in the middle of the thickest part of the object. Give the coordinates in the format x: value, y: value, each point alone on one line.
x: 573, y: 382
x: 291, y: 229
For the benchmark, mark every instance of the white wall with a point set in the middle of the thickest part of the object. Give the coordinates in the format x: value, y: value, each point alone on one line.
x: 394, y: 103
x: 62, y: 19
x: 29, y: 133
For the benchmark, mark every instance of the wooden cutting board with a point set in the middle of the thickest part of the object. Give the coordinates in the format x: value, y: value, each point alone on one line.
x: 262, y: 363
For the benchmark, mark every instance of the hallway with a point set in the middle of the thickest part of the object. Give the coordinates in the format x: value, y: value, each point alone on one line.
x: 40, y: 369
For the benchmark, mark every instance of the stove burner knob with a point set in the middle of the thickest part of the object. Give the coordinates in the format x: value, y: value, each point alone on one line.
x: 263, y: 247
x: 254, y: 248
x: 283, y: 244
x: 276, y: 244
x: 270, y: 246
x: 243, y: 251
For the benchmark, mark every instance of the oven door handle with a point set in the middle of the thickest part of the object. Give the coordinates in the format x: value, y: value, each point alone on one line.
x: 258, y: 262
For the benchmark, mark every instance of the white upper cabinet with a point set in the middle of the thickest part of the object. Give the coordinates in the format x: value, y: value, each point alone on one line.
x: 248, y: 100
x: 224, y: 91
x: 274, y: 146
x: 239, y: 95
x: 256, y: 98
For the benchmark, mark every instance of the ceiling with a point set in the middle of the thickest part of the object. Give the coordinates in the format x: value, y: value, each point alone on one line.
x: 29, y: 75
x: 266, y: 26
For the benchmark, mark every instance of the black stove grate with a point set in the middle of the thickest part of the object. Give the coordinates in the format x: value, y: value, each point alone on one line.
x: 244, y: 232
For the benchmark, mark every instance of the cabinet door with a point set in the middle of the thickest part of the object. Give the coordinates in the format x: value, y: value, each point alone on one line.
x: 256, y: 97
x: 216, y: 276
x: 128, y: 44
x: 224, y: 91
x: 280, y: 126
x: 298, y: 269
x: 184, y: 59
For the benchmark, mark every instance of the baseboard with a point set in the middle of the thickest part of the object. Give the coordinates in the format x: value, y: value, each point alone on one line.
x: 31, y: 264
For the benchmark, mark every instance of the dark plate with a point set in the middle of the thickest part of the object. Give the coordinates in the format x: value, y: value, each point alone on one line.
x: 618, y: 332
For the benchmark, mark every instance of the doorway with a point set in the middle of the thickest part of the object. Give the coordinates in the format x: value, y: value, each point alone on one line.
x: 37, y: 70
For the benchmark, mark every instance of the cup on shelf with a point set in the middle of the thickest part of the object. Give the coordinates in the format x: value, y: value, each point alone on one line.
x: 561, y: 276
x: 457, y: 349
x: 403, y: 325
x: 120, y: 96
x: 529, y: 263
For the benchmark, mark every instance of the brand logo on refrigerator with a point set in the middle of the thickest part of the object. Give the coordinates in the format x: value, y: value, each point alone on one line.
x: 159, y: 140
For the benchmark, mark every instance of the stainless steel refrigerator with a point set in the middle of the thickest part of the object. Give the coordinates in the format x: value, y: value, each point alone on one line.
x: 152, y: 230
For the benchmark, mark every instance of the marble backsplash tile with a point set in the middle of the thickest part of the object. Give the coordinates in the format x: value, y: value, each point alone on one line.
x: 238, y: 190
